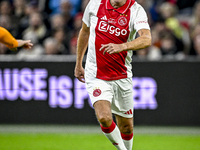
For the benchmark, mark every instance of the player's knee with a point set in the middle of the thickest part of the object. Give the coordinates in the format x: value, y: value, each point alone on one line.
x: 105, y: 120
x: 127, y: 129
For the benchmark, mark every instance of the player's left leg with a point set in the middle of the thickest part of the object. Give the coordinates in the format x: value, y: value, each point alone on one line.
x: 126, y: 128
x: 122, y: 107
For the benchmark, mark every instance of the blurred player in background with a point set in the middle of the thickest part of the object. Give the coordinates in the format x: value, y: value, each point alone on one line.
x: 7, y: 39
x: 109, y: 29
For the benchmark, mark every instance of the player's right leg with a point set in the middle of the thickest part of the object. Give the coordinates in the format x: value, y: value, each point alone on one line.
x: 103, y: 112
x: 109, y: 128
x: 101, y: 95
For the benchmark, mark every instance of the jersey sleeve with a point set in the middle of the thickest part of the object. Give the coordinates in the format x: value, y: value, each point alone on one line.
x: 141, y: 21
x: 7, y: 39
x: 86, y: 15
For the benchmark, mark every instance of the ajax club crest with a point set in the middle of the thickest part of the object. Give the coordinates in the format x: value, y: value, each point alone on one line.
x: 122, y: 21
x: 96, y: 92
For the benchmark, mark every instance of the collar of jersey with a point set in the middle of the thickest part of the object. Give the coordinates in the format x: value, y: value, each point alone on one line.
x: 121, y: 9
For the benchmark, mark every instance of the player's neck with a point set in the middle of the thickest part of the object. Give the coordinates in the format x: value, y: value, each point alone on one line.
x: 117, y: 3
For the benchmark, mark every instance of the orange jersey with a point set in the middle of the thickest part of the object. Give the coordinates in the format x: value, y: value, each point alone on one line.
x: 7, y: 39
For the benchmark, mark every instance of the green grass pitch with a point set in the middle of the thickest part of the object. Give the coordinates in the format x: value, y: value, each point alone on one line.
x: 94, y: 141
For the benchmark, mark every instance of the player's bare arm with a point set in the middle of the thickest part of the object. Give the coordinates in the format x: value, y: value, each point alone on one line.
x: 7, y: 39
x: 143, y: 41
x: 25, y: 44
x: 81, y: 48
x: 22, y: 43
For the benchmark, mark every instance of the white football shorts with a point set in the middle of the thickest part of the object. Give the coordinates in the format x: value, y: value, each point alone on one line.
x: 118, y: 92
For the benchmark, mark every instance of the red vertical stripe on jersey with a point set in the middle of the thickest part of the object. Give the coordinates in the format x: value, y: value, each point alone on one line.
x: 112, y: 27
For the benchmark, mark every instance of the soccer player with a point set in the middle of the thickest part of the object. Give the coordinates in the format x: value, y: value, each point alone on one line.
x: 109, y: 28
x: 7, y: 39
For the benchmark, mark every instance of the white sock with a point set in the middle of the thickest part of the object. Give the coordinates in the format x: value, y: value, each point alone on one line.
x: 113, y: 134
x: 128, y: 140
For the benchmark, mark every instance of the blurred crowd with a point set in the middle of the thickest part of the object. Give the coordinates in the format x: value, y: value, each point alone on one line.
x: 53, y: 26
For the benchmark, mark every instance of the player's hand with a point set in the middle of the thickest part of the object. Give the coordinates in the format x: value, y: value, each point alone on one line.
x: 112, y: 48
x: 79, y: 74
x: 25, y: 44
